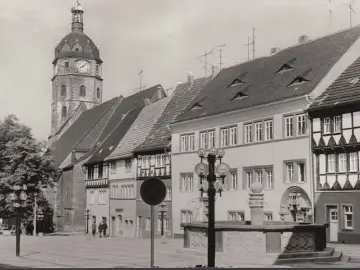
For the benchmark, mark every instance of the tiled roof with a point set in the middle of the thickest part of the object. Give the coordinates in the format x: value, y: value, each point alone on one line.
x: 140, y: 128
x: 344, y: 90
x: 160, y: 135
x: 61, y: 148
x: 110, y: 143
x: 273, y: 78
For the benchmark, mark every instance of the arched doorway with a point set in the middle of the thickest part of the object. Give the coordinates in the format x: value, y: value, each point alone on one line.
x: 302, y: 211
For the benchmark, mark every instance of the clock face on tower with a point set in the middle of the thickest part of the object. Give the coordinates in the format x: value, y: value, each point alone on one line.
x: 82, y: 66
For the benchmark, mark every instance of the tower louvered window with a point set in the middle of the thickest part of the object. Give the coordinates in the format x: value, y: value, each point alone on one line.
x: 82, y: 91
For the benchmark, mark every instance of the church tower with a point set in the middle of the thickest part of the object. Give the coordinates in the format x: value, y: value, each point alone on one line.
x: 77, y: 73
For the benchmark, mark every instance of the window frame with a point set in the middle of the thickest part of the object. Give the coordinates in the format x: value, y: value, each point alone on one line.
x: 344, y: 217
x: 328, y: 163
x: 342, y: 162
x: 304, y: 125
x: 296, y: 171
x: 189, y: 142
x: 266, y: 132
x: 258, y: 131
x: 248, y: 133
x: 239, y: 215
x: 291, y: 128
x: 356, y: 162
x: 187, y: 181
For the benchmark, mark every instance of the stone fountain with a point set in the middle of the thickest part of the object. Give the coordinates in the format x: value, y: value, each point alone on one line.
x: 272, y: 242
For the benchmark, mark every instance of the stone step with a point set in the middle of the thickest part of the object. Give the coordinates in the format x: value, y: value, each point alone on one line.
x: 335, y: 256
x: 327, y: 252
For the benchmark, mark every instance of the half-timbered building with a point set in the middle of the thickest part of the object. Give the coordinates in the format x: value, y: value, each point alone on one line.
x: 335, y: 117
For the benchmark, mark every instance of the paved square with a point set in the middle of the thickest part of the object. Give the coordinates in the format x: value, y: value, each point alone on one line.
x: 84, y: 251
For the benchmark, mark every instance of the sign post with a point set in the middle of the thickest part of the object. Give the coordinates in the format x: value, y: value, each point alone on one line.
x: 153, y: 192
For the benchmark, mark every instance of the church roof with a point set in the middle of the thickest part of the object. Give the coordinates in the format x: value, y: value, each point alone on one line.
x: 140, y: 129
x: 160, y: 136
x: 290, y: 73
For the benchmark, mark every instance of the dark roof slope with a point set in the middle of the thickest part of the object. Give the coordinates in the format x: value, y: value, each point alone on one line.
x: 344, y: 90
x: 289, y: 73
x: 160, y: 136
x: 61, y: 148
x: 129, y: 103
x: 111, y: 142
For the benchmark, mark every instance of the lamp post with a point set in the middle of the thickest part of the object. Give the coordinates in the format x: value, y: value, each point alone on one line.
x: 208, y: 172
x: 162, y: 212
x: 18, y: 197
x: 35, y: 210
x: 294, y: 205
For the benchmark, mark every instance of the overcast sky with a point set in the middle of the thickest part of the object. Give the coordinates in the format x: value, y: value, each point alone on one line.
x: 161, y: 37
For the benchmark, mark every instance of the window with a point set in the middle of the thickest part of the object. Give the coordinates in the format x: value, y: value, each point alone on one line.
x: 337, y: 124
x: 97, y: 69
x: 148, y: 224
x: 224, y: 137
x: 186, y: 216
x: 211, y: 140
x: 82, y: 91
x: 203, y: 140
x: 127, y: 192
x: 102, y: 197
x: 115, y: 192
x: 92, y: 197
x: 259, y: 176
x: 249, y: 179
x: 66, y: 64
x: 331, y: 163
x: 327, y: 125
x: 289, y: 172
x: 100, y: 171
x: 269, y: 178
x: 158, y: 161
x: 248, y: 133
x: 342, y: 162
x: 268, y: 216
x: 113, y: 166
x: 187, y: 142
x: 98, y: 93
x: 289, y: 126
x: 90, y: 172
x: 166, y: 225
x: 348, y: 217
x: 233, y: 180
x: 168, y: 193
x: 354, y: 162
x: 63, y: 91
x: 128, y: 165
x: 186, y: 182
x: 269, y: 130
x: 258, y: 132
x: 163, y: 160
x: 301, y: 124
x: 295, y: 172
x: 63, y: 112
x: 236, y: 216
x: 233, y: 135
x: 207, y: 139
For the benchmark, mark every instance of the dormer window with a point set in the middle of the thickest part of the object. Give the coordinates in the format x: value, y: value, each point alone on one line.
x: 284, y: 68
x: 66, y: 64
x: 236, y: 82
x: 239, y: 95
x: 298, y: 80
x: 196, y: 106
x: 82, y: 91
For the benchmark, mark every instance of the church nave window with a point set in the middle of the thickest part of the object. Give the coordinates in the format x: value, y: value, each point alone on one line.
x: 98, y: 92
x: 63, y: 91
x: 82, y: 91
x: 63, y: 112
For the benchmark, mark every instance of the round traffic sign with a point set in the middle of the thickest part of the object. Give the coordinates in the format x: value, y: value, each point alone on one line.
x: 153, y: 191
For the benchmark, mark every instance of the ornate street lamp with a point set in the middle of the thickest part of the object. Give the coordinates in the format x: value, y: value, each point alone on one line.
x: 42, y: 188
x: 212, y: 186
x: 294, y: 204
x: 18, y: 197
x: 162, y: 211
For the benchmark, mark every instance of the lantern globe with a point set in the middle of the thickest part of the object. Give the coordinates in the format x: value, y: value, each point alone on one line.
x: 213, y: 151
x: 201, y: 169
x: 220, y: 153
x: 201, y: 152
x: 223, y: 169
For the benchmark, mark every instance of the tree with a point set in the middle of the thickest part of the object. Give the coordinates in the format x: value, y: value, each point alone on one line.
x: 23, y: 160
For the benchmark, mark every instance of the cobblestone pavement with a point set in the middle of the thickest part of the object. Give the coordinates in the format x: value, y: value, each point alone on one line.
x: 83, y: 251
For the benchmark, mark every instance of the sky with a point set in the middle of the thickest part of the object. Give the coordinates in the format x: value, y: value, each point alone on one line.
x: 163, y: 38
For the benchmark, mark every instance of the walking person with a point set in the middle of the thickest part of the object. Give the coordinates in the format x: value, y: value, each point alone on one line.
x: 93, y: 229
x: 104, y: 227
x: 100, y: 228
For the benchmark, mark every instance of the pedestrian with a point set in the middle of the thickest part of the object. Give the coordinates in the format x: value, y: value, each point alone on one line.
x: 100, y: 228
x: 93, y: 229
x: 104, y: 227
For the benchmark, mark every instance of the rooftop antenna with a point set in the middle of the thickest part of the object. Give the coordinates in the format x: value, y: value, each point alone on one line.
x: 253, y: 43
x: 205, y: 60
x: 248, y: 48
x: 141, y: 86
x: 330, y: 16
x: 221, y: 50
x: 351, y: 10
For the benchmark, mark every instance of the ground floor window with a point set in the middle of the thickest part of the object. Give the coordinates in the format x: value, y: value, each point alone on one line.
x: 268, y: 216
x: 236, y: 216
x: 348, y: 217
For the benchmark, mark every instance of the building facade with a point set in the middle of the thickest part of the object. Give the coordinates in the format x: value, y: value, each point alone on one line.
x: 335, y: 118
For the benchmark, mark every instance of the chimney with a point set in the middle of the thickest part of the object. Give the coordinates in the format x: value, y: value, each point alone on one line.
x: 274, y: 50
x: 159, y: 93
x: 147, y: 101
x: 303, y: 39
x: 190, y: 78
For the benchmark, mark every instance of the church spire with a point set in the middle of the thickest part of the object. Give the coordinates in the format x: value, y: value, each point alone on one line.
x: 77, y: 17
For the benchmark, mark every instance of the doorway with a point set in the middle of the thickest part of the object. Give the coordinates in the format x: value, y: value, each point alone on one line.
x: 113, y: 226
x: 120, y: 225
x: 333, y: 220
